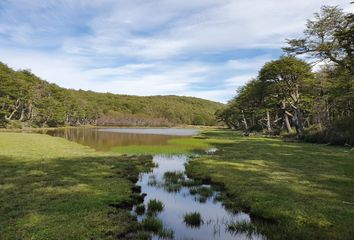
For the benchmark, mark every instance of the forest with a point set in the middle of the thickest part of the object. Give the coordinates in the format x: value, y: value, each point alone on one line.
x: 28, y: 101
x: 309, y: 91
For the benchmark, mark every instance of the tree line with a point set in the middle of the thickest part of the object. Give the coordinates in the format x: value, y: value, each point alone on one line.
x: 289, y: 96
x: 27, y: 100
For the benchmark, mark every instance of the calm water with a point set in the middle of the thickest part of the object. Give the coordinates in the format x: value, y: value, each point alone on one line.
x: 104, y: 139
x: 180, y: 201
x: 177, y: 200
x: 154, y: 131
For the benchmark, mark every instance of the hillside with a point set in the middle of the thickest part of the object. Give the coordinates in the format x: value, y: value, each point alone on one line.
x: 27, y: 100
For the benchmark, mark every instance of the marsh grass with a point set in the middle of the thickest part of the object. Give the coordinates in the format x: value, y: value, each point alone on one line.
x: 154, y: 206
x: 243, y: 227
x: 193, y: 220
x: 202, y: 193
x: 140, y: 209
x: 174, y: 177
x: 153, y: 224
x: 166, y: 233
x: 290, y: 189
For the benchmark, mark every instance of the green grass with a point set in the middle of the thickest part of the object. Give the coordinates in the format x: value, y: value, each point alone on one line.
x: 174, y: 146
x: 242, y: 227
x: 51, y: 188
x: 166, y: 234
x: 140, y: 209
x: 154, y: 206
x: 173, y: 177
x: 204, y: 193
x: 193, y: 220
x: 302, y: 191
x: 153, y: 224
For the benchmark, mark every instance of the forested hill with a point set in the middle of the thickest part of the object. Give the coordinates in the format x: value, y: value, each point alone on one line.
x: 27, y: 100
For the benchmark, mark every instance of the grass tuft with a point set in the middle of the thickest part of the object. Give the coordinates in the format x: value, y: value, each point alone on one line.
x: 153, y: 224
x: 243, y: 227
x: 166, y: 234
x: 140, y: 209
x: 193, y: 219
x: 154, y: 206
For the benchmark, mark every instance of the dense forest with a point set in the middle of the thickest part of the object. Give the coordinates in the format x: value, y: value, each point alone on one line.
x: 27, y: 100
x: 310, y: 97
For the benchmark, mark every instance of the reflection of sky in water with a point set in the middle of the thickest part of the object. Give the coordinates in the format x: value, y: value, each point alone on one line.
x: 214, y: 215
x: 154, y: 131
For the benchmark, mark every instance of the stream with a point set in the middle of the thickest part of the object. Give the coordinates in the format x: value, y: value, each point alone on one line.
x: 179, y: 200
x: 168, y: 183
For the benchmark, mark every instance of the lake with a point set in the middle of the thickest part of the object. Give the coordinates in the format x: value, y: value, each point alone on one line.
x: 104, y: 139
x: 168, y: 183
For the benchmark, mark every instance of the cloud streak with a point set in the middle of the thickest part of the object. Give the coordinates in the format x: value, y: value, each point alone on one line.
x: 202, y: 48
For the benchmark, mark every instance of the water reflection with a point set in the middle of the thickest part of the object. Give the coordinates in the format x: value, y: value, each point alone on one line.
x: 154, y: 131
x: 106, y: 139
x: 168, y: 184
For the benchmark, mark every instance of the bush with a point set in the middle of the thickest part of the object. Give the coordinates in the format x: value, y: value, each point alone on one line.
x: 14, y: 124
x: 341, y: 132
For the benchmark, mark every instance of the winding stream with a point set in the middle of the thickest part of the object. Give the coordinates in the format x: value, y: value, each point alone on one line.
x: 168, y: 183
x: 180, y: 201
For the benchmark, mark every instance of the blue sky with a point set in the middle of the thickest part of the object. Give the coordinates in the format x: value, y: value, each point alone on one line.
x: 201, y: 48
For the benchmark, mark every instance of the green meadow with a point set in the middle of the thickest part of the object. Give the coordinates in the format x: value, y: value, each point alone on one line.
x: 292, y: 190
x: 51, y: 188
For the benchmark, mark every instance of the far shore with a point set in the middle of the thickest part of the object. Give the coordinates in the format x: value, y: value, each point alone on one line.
x: 30, y: 129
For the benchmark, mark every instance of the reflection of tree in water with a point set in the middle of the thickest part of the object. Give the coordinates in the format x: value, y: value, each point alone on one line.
x: 105, y: 141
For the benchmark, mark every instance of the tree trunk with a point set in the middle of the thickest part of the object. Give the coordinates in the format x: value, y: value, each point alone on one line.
x: 22, y: 114
x: 299, y: 123
x: 244, y: 121
x: 269, y: 127
x: 287, y: 123
x: 286, y: 118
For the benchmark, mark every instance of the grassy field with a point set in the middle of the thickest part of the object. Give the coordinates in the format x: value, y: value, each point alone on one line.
x: 293, y: 190
x: 51, y: 188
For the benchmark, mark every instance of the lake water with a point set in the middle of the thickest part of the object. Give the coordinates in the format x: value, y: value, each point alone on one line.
x: 177, y: 197
x: 104, y: 139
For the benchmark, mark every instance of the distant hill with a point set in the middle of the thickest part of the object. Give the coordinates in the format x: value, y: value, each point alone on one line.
x: 27, y: 100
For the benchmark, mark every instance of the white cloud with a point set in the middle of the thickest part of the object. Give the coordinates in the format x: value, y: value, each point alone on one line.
x: 240, y: 80
x: 150, y: 47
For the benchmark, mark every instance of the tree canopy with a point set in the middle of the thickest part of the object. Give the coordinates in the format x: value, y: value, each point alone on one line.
x: 26, y: 100
x: 288, y: 93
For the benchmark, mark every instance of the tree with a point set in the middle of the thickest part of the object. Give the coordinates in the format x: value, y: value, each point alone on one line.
x: 287, y: 74
x: 330, y: 36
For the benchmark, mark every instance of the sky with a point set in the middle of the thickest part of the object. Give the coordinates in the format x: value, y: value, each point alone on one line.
x: 200, y: 48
